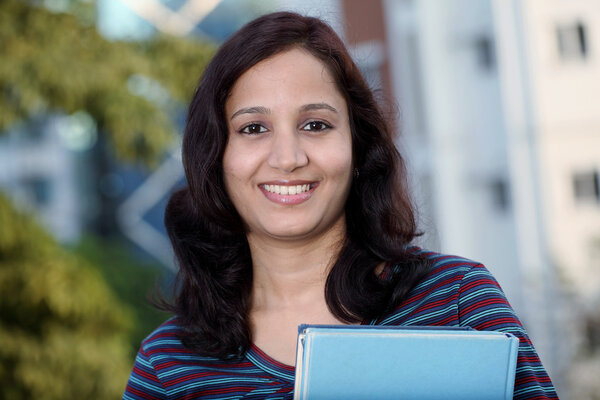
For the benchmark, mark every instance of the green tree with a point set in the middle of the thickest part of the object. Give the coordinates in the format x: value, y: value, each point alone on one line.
x: 59, y: 62
x: 132, y: 281
x: 63, y: 333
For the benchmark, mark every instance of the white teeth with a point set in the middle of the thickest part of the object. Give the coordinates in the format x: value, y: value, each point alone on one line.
x: 285, y: 190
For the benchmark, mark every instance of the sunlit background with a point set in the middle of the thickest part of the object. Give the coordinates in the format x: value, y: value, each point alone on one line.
x: 497, y: 105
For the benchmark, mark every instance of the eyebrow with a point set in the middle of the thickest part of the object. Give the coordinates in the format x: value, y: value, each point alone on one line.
x: 251, y: 110
x: 318, y: 106
x: 265, y: 110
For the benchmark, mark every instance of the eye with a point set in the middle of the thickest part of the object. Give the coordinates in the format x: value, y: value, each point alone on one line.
x: 316, y: 126
x: 253, y: 129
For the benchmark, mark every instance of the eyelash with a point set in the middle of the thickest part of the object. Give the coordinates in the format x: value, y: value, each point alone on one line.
x: 323, y: 126
x: 246, y: 129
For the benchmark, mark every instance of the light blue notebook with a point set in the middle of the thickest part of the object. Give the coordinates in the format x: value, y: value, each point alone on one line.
x: 377, y: 362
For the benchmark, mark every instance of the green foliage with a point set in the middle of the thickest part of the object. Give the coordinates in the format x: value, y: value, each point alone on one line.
x: 133, y: 282
x: 70, y: 320
x: 56, y: 62
x: 64, y: 335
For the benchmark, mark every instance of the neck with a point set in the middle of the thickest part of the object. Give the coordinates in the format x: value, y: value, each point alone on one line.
x: 292, y: 274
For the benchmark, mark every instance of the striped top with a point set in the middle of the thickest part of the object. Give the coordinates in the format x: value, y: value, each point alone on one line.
x: 456, y: 292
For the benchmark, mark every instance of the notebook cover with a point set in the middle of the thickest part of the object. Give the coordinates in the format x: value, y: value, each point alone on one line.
x: 378, y: 362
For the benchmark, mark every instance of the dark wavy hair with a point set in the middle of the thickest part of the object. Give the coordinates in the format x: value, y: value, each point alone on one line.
x: 214, y: 281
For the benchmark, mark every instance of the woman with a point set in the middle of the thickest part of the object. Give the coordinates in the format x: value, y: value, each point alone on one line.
x: 297, y: 211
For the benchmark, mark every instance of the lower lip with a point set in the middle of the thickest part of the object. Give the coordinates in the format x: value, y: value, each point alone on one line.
x: 289, y: 199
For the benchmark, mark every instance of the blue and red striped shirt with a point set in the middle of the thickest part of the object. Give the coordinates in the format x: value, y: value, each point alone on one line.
x: 456, y: 292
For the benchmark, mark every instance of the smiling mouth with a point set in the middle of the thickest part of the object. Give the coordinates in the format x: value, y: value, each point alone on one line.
x: 288, y: 189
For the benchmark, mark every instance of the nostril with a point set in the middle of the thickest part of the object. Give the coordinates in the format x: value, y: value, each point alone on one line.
x: 287, y: 155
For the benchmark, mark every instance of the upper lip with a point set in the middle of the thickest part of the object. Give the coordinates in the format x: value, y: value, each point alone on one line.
x: 285, y: 182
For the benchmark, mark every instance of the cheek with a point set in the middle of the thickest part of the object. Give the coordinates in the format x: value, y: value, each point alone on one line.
x: 345, y: 164
x: 233, y: 159
x: 341, y: 167
x: 239, y: 166
x: 231, y: 171
x: 337, y: 159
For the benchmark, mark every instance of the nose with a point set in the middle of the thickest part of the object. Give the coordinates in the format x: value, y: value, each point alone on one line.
x: 287, y: 152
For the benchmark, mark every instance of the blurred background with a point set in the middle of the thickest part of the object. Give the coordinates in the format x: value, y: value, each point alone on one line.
x: 497, y: 105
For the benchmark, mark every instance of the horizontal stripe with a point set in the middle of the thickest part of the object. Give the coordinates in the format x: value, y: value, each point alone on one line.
x: 455, y: 292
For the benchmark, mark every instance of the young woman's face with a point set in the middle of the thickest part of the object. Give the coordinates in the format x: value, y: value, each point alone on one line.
x: 288, y: 161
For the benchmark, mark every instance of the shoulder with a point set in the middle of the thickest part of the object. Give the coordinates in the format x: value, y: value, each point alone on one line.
x: 447, y: 270
x: 436, y: 299
x: 460, y: 292
x: 165, y: 338
x: 148, y: 379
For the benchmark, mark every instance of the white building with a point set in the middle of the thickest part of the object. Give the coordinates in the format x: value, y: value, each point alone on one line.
x: 562, y: 70
x: 501, y: 122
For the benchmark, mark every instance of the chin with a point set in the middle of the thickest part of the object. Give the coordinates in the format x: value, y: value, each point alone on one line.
x: 302, y: 232
x: 290, y: 234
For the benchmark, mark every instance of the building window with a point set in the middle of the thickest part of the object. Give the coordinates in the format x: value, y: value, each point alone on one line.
x: 586, y: 186
x: 572, y: 41
x: 500, y: 194
x: 484, y: 51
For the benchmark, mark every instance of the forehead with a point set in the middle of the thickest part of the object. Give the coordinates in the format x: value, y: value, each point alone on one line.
x: 294, y: 74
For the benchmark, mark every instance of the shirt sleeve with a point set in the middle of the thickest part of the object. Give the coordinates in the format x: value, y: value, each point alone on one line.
x: 143, y: 382
x: 483, y: 306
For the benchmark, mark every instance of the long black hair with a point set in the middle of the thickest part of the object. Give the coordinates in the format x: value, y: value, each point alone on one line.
x: 215, y: 269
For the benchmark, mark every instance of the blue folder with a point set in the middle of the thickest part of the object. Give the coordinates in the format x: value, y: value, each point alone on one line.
x: 377, y: 362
